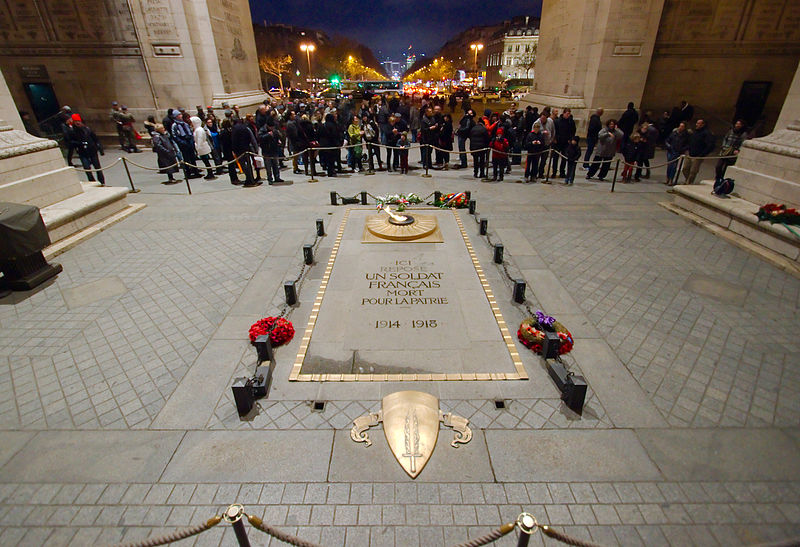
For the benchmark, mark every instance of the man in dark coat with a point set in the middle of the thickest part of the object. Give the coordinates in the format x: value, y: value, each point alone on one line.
x: 464, y: 127
x: 241, y: 143
x: 595, y: 125
x: 183, y: 136
x: 86, y: 143
x: 701, y: 144
x: 565, y: 130
x: 627, y: 122
x: 478, y: 139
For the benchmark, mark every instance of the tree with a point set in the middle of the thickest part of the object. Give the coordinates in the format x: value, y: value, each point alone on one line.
x: 529, y: 61
x: 276, y: 66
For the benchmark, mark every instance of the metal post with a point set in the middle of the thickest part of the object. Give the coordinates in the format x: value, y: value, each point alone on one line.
x: 437, y: 197
x: 363, y: 198
x: 186, y: 180
x: 616, y: 170
x: 472, y: 206
x: 519, y: 291
x: 320, y: 227
x: 334, y: 198
x: 498, y: 253
x: 264, y: 348
x: 527, y: 524
x: 547, y: 171
x: 128, y: 172
x: 680, y: 169
x: 468, y: 195
x: 308, y: 253
x: 427, y: 161
x: 238, y: 526
x: 291, y: 292
x: 484, y: 225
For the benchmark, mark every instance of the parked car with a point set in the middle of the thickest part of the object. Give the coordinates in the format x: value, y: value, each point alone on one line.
x: 299, y: 94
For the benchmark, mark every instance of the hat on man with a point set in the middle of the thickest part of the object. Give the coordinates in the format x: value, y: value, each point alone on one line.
x: 76, y: 118
x: 114, y: 103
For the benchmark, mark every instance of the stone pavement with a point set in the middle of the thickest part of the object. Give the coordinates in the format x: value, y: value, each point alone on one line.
x: 117, y: 421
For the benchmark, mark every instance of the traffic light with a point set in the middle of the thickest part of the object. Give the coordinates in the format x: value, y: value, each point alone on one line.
x: 335, y: 81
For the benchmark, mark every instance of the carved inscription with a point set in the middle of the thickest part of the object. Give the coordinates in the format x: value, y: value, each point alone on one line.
x: 404, y: 283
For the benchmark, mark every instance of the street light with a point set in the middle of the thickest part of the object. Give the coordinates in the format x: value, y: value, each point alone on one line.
x: 308, y: 48
x: 476, y: 48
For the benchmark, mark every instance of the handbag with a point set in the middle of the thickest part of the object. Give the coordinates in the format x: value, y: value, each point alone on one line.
x: 259, y: 161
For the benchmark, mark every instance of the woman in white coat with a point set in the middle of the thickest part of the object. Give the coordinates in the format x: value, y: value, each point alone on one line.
x: 203, y: 145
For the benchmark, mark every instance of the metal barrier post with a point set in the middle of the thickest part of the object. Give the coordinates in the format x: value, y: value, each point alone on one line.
x: 128, y: 172
x: 527, y: 525
x: 186, y: 180
x: 680, y: 169
x: 234, y: 516
x: 616, y: 170
x: 547, y: 171
x: 364, y: 197
x: 426, y: 161
x: 334, y: 199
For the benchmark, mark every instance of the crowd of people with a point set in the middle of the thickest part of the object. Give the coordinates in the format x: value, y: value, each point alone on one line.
x: 377, y: 134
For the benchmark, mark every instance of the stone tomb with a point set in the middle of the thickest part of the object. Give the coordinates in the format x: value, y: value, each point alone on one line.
x: 405, y: 311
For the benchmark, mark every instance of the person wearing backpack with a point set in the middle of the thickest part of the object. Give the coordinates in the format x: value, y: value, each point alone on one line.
x: 499, y: 146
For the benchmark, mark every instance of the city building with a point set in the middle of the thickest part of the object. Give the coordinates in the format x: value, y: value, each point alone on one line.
x: 511, y: 51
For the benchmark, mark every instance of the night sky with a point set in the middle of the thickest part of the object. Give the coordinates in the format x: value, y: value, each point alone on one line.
x: 388, y: 27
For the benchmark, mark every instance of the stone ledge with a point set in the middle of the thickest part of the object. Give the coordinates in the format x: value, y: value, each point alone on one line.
x: 736, y: 209
x: 75, y: 213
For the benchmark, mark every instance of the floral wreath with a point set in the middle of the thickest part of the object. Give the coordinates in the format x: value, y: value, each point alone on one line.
x: 778, y: 213
x: 532, y: 333
x: 279, y: 329
x: 458, y: 200
x: 401, y: 200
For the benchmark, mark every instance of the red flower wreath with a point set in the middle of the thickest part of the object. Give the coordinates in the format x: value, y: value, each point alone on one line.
x: 531, y: 335
x: 281, y: 333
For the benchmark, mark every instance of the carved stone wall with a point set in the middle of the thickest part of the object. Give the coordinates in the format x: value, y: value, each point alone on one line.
x: 706, y: 49
x: 147, y: 54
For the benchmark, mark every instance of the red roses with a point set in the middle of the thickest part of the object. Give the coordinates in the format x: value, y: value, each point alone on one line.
x: 279, y: 329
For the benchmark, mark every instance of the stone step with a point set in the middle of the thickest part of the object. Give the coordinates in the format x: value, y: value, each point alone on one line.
x: 736, y: 215
x: 78, y: 212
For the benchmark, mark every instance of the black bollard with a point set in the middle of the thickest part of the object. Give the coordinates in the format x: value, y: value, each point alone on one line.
x: 320, y: 227
x: 291, y: 292
x: 437, y: 197
x: 471, y: 206
x: 308, y: 253
x: 484, y: 226
x: 519, y: 291
x: 264, y: 348
x: 234, y: 515
x: 363, y: 198
x: 468, y: 195
x: 334, y: 199
x: 498, y: 253
x: 614, y: 180
x: 526, y: 524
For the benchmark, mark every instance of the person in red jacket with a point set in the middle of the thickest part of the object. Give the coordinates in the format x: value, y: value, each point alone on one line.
x: 499, y: 145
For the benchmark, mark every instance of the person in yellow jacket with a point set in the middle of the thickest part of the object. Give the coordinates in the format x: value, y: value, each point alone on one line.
x: 355, y: 134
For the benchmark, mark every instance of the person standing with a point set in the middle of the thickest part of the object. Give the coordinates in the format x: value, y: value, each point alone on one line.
x: 628, y: 121
x: 677, y: 144
x: 202, y: 146
x: 478, y: 140
x: 165, y: 151
x: 446, y: 140
x: 116, y: 111
x: 270, y: 149
x: 701, y: 144
x: 565, y: 130
x: 464, y: 127
x: 573, y: 153
x: 648, y: 136
x: 594, y: 127
x: 430, y: 132
x: 546, y: 130
x: 87, y: 145
x: 535, y: 147
x: 403, y: 144
x: 226, y: 147
x: 183, y: 136
x: 241, y: 145
x: 731, y: 144
x: 354, y: 135
x: 607, y: 140
x: 128, y: 132
x: 499, y: 146
x: 66, y: 130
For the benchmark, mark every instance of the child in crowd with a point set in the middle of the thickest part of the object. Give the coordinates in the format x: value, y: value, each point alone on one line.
x: 631, y: 151
x: 535, y: 147
x: 573, y: 154
x: 405, y: 145
x: 499, y: 146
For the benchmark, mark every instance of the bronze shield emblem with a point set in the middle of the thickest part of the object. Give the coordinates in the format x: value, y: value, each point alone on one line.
x: 411, y: 425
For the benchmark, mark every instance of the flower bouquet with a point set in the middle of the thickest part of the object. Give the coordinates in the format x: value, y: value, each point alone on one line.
x: 279, y: 329
x: 458, y: 200
x: 401, y: 200
x: 778, y: 213
x: 532, y: 333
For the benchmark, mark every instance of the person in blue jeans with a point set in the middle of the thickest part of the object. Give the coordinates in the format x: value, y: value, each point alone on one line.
x: 677, y: 144
x: 573, y: 154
